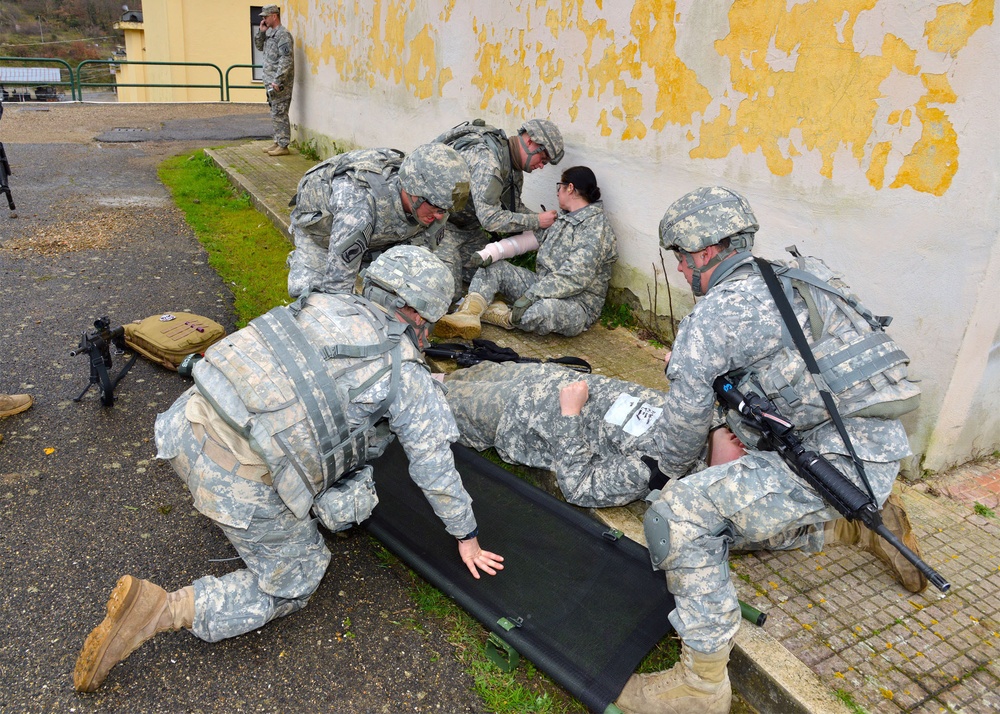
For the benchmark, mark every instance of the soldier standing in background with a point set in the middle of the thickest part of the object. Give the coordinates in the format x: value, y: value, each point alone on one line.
x: 279, y: 74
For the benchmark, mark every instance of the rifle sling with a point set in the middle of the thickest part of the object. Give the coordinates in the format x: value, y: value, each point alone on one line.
x: 795, y: 330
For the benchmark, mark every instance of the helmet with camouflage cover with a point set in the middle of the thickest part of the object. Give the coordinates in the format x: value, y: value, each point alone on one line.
x: 547, y: 135
x: 708, y: 216
x: 409, y: 275
x: 437, y: 174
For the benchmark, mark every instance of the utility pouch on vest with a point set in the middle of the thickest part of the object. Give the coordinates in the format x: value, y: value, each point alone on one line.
x: 347, y: 502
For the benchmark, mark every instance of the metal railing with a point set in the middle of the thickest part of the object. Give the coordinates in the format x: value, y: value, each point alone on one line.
x: 71, y: 83
x: 229, y: 86
x: 76, y: 81
x: 125, y: 63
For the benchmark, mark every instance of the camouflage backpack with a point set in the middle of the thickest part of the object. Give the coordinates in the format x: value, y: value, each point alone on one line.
x: 370, y: 168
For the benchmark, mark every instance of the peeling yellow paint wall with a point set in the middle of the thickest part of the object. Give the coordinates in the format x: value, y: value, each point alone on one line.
x: 865, y: 131
x: 801, y: 80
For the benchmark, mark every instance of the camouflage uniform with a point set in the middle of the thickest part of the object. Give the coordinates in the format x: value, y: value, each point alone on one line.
x: 285, y: 556
x: 596, y: 457
x: 573, y: 267
x: 495, y: 207
x: 756, y: 501
x: 279, y: 68
x: 339, y: 219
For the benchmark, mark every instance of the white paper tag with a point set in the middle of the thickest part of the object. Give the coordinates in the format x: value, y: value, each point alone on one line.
x: 643, y: 420
x: 620, y: 410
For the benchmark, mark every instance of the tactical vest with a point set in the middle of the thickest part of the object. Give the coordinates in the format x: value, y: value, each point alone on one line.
x: 864, y: 368
x: 369, y: 168
x: 478, y: 132
x: 282, y: 383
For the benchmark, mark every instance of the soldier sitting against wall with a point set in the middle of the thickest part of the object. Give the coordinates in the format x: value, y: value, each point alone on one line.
x: 573, y: 267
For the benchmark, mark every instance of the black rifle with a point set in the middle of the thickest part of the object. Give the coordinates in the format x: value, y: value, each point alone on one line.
x: 97, y: 344
x: 483, y: 350
x: 5, y: 172
x: 849, y: 500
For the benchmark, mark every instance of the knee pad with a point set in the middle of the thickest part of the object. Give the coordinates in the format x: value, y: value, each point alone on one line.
x: 656, y: 526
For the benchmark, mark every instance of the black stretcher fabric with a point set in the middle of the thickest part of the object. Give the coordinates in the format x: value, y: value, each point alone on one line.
x: 590, y: 607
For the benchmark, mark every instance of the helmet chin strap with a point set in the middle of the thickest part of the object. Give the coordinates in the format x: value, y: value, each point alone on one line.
x: 419, y: 333
x: 696, y: 272
x: 528, y: 154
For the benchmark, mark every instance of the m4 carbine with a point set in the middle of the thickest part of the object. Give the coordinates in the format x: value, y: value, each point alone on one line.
x: 849, y: 500
x: 97, y: 345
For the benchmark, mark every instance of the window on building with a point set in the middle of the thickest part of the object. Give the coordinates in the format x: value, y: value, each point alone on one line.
x: 256, y: 56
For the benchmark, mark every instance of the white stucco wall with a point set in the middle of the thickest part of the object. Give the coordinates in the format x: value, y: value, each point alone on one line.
x: 863, y: 131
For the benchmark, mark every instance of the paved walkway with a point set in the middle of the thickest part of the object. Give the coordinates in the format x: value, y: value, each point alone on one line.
x: 837, y: 621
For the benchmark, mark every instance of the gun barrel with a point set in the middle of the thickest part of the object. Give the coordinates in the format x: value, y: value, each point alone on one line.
x: 935, y: 578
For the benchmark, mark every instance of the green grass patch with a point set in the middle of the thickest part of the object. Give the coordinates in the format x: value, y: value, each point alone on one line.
x: 244, y: 247
x: 613, y: 316
x: 984, y: 511
x: 849, y: 702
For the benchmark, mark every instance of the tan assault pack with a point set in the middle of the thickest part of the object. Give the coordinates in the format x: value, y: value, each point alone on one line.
x: 170, y: 337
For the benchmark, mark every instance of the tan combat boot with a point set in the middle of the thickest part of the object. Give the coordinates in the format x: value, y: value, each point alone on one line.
x: 895, y: 519
x: 11, y: 404
x: 270, y: 148
x: 697, y: 683
x: 498, y: 313
x: 464, y: 322
x: 278, y: 151
x: 137, y: 610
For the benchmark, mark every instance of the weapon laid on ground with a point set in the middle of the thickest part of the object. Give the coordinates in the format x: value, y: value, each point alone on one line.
x: 849, y: 500
x: 97, y: 344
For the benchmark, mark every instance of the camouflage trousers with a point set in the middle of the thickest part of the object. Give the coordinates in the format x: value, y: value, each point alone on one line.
x: 753, y: 503
x: 279, y: 118
x: 455, y: 249
x: 562, y: 316
x: 285, y: 557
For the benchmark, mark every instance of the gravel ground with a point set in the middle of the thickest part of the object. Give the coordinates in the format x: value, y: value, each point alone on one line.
x: 82, y: 498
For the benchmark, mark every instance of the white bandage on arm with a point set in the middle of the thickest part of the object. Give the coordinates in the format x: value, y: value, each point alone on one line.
x: 509, y: 247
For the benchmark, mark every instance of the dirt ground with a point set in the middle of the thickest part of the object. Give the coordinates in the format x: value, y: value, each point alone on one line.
x: 80, y: 123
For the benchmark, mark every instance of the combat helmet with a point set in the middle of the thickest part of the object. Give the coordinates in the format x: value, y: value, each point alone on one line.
x: 437, y: 174
x: 708, y: 216
x: 547, y: 135
x: 705, y: 217
x: 409, y: 275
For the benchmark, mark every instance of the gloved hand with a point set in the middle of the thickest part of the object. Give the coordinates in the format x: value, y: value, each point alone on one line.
x: 479, y: 261
x: 519, y: 307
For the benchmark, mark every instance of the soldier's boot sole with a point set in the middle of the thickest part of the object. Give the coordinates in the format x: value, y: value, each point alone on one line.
x: 133, y: 610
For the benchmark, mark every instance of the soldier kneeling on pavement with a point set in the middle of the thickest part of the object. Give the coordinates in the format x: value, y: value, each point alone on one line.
x: 280, y: 423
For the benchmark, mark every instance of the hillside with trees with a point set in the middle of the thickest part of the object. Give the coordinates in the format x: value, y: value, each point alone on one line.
x: 72, y: 30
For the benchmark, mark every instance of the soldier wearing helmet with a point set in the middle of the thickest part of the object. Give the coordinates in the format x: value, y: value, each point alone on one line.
x: 352, y: 205
x: 749, y: 499
x: 276, y: 434
x: 498, y: 164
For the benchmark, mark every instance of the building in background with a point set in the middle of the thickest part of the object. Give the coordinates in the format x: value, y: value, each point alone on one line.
x: 218, y: 33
